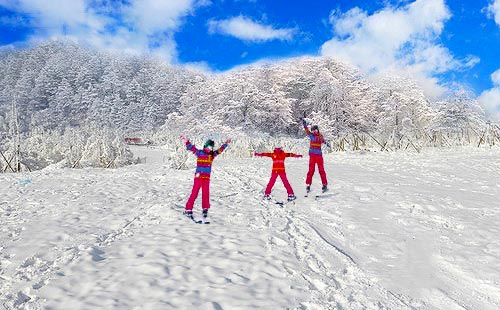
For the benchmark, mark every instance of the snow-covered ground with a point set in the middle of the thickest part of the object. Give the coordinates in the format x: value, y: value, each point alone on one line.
x: 397, y: 231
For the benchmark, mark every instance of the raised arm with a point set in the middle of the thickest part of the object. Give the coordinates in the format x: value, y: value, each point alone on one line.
x: 222, y: 148
x: 304, y: 123
x: 190, y: 147
x: 263, y: 154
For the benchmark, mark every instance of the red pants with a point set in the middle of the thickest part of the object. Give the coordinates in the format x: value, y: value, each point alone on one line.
x: 274, y: 176
x: 204, y: 184
x: 313, y: 160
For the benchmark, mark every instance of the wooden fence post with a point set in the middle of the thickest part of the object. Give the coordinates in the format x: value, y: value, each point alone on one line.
x: 481, y: 140
x: 77, y: 162
x: 7, y: 162
x: 380, y: 144
x: 27, y: 167
x: 356, y: 143
x: 112, y: 162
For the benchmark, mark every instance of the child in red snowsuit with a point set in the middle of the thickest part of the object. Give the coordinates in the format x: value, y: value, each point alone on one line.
x: 278, y: 157
x: 315, y: 156
x: 202, y: 174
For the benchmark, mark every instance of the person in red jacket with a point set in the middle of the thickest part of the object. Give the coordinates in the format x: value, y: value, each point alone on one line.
x: 278, y: 157
x: 202, y: 174
x: 315, y: 156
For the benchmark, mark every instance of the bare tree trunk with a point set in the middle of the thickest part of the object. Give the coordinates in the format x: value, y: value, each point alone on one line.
x: 16, y: 137
x: 482, y: 139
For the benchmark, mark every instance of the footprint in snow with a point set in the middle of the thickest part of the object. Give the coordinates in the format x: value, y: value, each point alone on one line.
x: 96, y: 254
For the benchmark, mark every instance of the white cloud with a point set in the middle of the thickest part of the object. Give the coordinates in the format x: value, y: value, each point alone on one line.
x: 490, y: 99
x: 151, y: 16
x: 401, y: 40
x: 495, y: 77
x: 49, y: 15
x: 353, y: 19
x: 134, y: 26
x: 200, y: 67
x: 494, y: 9
x: 246, y: 29
x: 471, y: 61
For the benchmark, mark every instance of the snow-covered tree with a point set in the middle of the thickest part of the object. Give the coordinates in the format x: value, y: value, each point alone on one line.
x: 460, y: 110
x: 402, y: 108
x: 57, y: 85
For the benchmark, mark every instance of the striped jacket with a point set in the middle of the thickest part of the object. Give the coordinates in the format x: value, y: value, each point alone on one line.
x: 316, y: 141
x: 204, y: 162
x: 278, y: 157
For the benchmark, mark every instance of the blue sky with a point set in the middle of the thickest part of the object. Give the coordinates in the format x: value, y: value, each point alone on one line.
x: 439, y: 43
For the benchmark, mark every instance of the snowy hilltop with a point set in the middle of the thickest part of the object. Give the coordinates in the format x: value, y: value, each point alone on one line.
x: 60, y: 101
x: 56, y: 85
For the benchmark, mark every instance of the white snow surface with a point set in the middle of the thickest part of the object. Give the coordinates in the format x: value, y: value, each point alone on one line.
x: 395, y: 231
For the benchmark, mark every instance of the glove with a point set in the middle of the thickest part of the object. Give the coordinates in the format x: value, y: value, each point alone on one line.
x: 184, y: 139
x: 328, y: 145
x: 304, y: 122
x: 228, y: 141
x: 298, y: 156
x: 256, y: 154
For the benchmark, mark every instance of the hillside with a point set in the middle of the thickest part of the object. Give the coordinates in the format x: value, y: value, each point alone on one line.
x: 395, y: 232
x: 59, y: 85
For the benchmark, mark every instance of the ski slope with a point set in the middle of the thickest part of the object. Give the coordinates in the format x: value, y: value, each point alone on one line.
x: 396, y: 231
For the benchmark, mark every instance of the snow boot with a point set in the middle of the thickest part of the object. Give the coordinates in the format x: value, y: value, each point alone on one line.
x: 267, y: 197
x: 308, y: 188
x: 205, y: 219
x: 324, y: 188
x: 189, y: 214
x: 291, y: 197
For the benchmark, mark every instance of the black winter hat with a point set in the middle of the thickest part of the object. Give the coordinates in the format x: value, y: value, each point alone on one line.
x: 208, y: 143
x: 314, y: 127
